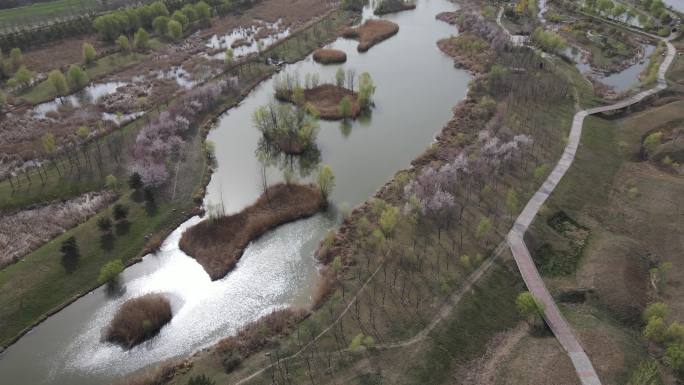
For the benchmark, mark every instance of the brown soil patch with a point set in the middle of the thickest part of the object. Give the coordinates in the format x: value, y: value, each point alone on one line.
x: 139, y: 319
x: 62, y: 53
x: 537, y: 361
x: 371, y: 33
x: 217, y: 244
x: 329, y: 56
x: 326, y: 99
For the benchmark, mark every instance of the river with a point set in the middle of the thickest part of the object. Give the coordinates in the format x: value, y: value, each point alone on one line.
x: 416, y: 88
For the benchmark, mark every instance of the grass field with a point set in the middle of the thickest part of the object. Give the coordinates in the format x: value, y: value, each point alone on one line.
x: 46, y: 11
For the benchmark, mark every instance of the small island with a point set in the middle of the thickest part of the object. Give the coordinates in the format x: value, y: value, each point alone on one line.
x: 138, y: 320
x: 218, y: 243
x: 371, y: 33
x: 393, y: 6
x: 329, y: 56
x: 327, y: 101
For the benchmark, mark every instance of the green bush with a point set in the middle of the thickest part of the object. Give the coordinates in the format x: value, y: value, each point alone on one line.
x: 110, y: 271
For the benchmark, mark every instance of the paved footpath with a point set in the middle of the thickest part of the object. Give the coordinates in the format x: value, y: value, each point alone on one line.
x: 557, y: 323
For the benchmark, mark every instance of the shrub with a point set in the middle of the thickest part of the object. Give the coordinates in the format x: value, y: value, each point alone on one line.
x: 77, y: 77
x: 123, y: 43
x: 120, y: 211
x: 110, y: 271
x: 231, y: 361
x: 656, y: 309
x: 175, y: 30
x: 105, y: 224
x: 141, y: 40
x: 139, y: 319
x: 89, y: 53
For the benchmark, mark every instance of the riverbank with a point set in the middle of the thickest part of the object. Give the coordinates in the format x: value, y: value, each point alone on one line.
x: 372, y: 32
x: 218, y: 243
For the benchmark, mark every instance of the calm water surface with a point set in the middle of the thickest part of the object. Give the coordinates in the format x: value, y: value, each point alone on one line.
x: 416, y: 88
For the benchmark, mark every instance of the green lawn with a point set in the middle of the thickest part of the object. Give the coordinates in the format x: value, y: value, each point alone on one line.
x: 45, y: 11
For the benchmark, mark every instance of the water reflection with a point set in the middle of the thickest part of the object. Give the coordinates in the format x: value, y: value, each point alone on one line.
x: 270, y: 155
x: 89, y: 94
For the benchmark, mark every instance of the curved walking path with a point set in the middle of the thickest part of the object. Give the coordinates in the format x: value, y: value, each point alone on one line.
x: 557, y: 323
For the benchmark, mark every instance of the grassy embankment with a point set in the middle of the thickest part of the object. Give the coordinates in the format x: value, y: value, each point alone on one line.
x: 32, y: 289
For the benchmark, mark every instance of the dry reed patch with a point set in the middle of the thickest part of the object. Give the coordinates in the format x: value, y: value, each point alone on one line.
x: 469, y: 52
x: 139, y: 319
x: 371, y: 33
x: 257, y: 334
x: 217, y: 244
x: 326, y: 99
x: 329, y: 56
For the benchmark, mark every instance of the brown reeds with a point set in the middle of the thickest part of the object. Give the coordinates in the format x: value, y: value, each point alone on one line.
x: 139, y: 319
x: 218, y: 243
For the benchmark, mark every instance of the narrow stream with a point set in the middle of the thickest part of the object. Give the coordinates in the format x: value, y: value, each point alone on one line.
x: 416, y: 88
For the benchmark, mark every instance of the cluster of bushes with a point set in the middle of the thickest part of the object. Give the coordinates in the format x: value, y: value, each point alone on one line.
x: 548, y: 41
x: 156, y: 16
x: 13, y: 69
x: 670, y: 337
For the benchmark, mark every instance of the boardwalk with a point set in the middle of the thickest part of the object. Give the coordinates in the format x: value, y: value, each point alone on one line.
x: 557, y: 323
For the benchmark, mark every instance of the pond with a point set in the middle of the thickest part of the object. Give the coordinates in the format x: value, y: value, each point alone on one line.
x: 89, y: 94
x: 279, y: 268
x: 629, y: 77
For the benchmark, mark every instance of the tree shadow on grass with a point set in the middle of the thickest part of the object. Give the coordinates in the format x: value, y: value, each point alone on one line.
x: 122, y: 227
x: 107, y: 241
x: 151, y: 208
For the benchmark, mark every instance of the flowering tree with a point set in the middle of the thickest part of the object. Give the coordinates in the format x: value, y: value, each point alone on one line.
x: 162, y: 140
